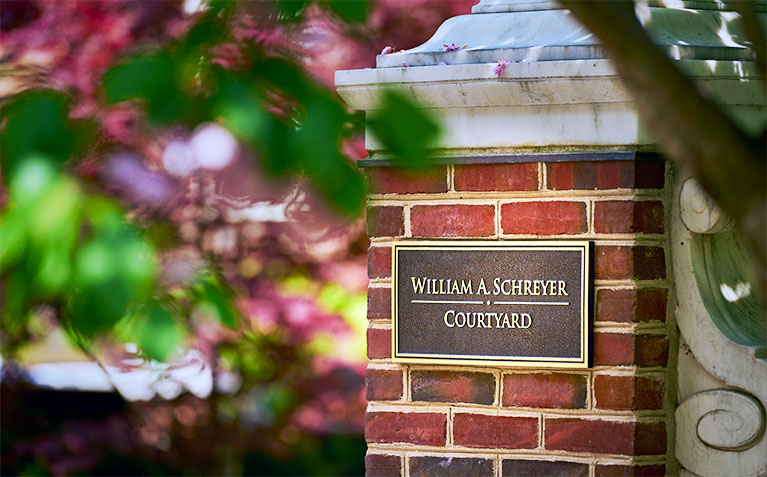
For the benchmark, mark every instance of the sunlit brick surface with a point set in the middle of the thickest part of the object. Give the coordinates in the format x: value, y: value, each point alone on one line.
x: 426, y: 419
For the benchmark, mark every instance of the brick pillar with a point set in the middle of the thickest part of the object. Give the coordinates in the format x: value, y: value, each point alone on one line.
x: 606, y: 420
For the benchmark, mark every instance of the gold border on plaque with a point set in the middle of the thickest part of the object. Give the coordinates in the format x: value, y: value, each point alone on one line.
x: 484, y: 360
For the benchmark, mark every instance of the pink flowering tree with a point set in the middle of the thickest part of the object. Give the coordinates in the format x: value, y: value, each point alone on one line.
x: 179, y: 195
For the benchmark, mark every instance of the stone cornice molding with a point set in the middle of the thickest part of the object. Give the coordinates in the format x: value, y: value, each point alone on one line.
x: 553, y: 104
x: 557, y: 91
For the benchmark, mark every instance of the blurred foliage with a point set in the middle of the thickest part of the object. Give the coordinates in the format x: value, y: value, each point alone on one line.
x: 255, y: 263
x: 408, y: 132
x: 66, y: 243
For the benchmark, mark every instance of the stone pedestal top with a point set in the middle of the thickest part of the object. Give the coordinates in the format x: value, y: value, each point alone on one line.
x: 529, y: 30
x: 521, y: 75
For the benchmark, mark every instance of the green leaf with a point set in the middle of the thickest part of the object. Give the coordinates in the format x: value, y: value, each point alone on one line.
x: 57, y: 210
x: 55, y: 267
x: 37, y: 126
x: 241, y: 109
x: 13, y: 230
x: 34, y: 177
x: 287, y: 77
x: 218, y: 300
x: 350, y: 11
x: 407, y: 131
x: 160, y: 334
x: 209, y: 29
x: 342, y: 186
x: 316, y: 146
x: 40, y: 227
x: 33, y: 180
x: 15, y: 294
x: 151, y: 77
x: 292, y: 10
x: 113, y: 270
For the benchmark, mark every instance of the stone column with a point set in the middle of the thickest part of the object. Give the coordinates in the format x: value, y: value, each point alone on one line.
x: 549, y: 147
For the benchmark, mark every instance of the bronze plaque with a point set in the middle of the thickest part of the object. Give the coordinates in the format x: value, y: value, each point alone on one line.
x: 520, y: 303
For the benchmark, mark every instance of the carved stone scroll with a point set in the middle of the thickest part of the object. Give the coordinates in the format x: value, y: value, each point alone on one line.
x: 721, y: 430
x: 721, y: 419
x: 699, y: 213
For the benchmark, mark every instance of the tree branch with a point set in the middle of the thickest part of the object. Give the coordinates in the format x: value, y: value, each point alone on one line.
x: 690, y: 129
x: 753, y: 31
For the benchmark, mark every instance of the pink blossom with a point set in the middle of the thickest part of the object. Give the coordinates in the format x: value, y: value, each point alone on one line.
x: 214, y: 147
x: 451, y: 47
x: 387, y: 50
x: 500, y: 67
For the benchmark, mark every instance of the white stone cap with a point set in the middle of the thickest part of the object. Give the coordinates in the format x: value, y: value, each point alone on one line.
x: 558, y: 91
x: 499, y: 6
x: 535, y: 83
x: 559, y: 105
x: 542, y: 31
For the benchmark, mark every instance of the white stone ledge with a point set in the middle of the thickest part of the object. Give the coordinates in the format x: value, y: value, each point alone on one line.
x: 547, y: 125
x: 546, y: 82
x: 548, y: 104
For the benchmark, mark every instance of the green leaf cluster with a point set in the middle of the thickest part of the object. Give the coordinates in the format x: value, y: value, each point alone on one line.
x: 66, y: 245
x: 408, y: 132
x: 177, y: 85
x: 349, y: 11
x: 61, y: 244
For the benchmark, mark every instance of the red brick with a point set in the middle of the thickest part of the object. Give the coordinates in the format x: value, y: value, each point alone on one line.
x: 625, y: 216
x: 379, y: 262
x: 651, y: 304
x: 489, y: 177
x: 649, y: 392
x: 643, y: 174
x: 625, y: 349
x: 388, y: 180
x: 549, y: 390
x: 581, y: 435
x: 631, y: 305
x: 614, y: 392
x: 629, y: 392
x: 452, y: 387
x: 611, y: 175
x: 424, y: 428
x: 649, y: 262
x: 613, y: 349
x: 651, y: 350
x: 560, y: 175
x: 445, y: 466
x: 454, y: 220
x: 378, y: 465
x: 383, y: 384
x: 650, y: 175
x: 495, y: 432
x: 612, y: 262
x: 385, y: 221
x: 379, y: 343
x: 624, y: 262
x: 653, y: 470
x: 545, y: 218
x: 650, y: 438
x: 536, y: 468
x: 379, y: 303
